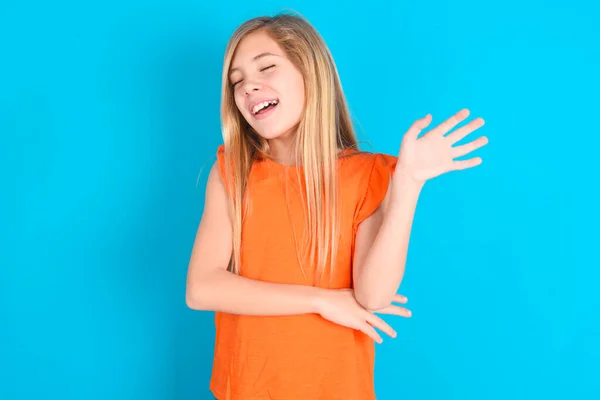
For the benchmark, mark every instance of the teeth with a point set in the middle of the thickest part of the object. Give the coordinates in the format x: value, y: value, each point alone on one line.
x: 262, y: 105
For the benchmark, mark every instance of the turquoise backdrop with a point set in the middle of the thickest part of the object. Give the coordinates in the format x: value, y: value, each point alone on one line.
x: 109, y: 122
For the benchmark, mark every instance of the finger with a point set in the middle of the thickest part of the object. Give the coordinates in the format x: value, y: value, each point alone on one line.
x: 463, y: 131
x: 380, y: 324
x: 451, y: 122
x: 370, y: 331
x: 398, y: 298
x: 464, y: 164
x: 467, y: 148
x: 395, y: 310
x: 417, y: 126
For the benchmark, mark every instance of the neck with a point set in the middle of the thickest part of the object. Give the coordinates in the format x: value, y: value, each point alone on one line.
x: 281, y: 149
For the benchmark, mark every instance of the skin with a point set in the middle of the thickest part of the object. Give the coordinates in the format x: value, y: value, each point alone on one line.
x: 272, y: 75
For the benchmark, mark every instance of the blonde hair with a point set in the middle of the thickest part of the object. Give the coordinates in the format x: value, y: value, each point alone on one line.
x: 324, y: 129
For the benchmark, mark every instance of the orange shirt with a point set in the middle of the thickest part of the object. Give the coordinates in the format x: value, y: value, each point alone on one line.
x: 298, y: 357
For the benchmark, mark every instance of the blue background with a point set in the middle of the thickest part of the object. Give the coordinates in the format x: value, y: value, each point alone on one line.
x: 109, y: 122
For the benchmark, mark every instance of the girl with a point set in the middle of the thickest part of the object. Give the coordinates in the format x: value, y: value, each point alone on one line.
x: 303, y: 238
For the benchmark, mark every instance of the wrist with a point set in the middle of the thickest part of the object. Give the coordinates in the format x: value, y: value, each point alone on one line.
x: 404, y: 187
x: 316, y: 298
x: 405, y: 180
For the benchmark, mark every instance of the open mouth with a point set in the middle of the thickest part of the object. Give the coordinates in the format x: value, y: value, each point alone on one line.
x: 261, y: 110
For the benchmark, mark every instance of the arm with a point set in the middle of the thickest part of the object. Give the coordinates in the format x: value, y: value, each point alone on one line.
x: 381, y: 244
x: 211, y: 287
x: 382, y: 239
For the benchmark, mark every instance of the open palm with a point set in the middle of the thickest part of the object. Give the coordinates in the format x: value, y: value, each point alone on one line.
x: 433, y: 154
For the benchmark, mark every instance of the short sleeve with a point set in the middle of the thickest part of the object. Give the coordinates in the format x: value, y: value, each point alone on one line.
x: 374, y: 185
x: 221, y: 165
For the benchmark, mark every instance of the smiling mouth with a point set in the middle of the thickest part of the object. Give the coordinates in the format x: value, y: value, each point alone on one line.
x: 263, y: 107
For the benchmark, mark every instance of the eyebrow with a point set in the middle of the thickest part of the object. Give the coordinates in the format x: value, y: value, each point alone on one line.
x: 258, y: 57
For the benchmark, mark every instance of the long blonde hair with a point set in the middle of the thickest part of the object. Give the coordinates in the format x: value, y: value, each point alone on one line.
x: 324, y: 129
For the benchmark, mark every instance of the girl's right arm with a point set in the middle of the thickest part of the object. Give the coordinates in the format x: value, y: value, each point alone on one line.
x: 211, y: 287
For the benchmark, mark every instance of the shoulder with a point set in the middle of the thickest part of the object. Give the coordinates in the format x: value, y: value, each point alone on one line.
x: 219, y: 165
x: 220, y: 153
x: 368, y: 174
x: 361, y: 163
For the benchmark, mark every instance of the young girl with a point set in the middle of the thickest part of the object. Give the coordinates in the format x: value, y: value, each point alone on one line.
x: 304, y: 238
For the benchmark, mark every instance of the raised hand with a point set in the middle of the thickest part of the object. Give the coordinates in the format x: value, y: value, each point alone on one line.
x: 433, y: 154
x: 340, y: 306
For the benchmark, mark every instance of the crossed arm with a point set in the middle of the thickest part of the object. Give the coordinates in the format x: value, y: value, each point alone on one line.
x: 380, y: 253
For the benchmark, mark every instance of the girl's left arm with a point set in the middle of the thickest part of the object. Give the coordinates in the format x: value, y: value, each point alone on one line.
x: 381, y: 242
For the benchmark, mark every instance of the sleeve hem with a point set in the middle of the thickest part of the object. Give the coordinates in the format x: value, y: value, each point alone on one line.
x: 372, y: 196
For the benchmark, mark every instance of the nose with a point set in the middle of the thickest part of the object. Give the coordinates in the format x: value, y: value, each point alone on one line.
x: 251, y: 87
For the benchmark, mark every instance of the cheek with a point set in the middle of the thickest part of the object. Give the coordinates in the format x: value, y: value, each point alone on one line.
x: 239, y: 102
x: 291, y: 87
x: 297, y: 89
x: 300, y: 88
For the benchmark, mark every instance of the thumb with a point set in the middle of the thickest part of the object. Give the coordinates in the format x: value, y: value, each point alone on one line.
x: 417, y: 126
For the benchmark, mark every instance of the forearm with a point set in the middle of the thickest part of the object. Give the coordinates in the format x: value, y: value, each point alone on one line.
x: 382, y: 271
x: 221, y: 290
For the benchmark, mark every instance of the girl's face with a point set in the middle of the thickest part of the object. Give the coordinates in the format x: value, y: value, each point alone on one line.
x: 268, y: 89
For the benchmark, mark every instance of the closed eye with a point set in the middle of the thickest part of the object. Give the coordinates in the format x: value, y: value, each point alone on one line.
x: 266, y: 68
